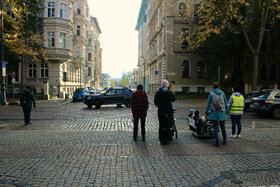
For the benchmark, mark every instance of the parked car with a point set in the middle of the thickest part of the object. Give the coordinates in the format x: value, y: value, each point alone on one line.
x: 267, y: 102
x: 248, y: 100
x: 79, y: 94
x: 115, y: 95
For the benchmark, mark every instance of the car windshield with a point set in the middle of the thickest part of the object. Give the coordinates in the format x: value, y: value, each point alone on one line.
x: 79, y: 90
x: 263, y: 94
x: 249, y: 95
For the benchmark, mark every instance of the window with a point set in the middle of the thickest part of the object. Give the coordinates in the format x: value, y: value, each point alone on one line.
x: 87, y: 12
x: 196, y: 9
x: 78, y: 30
x: 185, y: 33
x: 185, y: 69
x: 263, y: 72
x: 78, y: 52
x: 200, y: 90
x: 63, y: 10
x: 182, y: 9
x: 32, y: 71
x: 89, y: 57
x: 90, y: 42
x: 78, y: 9
x: 89, y: 71
x: 185, y: 89
x: 51, y: 9
x: 62, y: 40
x: 44, y: 70
x: 51, y: 39
x: 201, y: 69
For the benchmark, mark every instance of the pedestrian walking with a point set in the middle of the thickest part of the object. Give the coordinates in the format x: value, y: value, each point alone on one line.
x: 26, y: 100
x: 163, y: 100
x: 236, y: 107
x: 217, y: 110
x: 139, y: 107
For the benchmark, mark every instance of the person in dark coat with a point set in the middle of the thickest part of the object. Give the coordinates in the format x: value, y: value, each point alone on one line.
x: 163, y: 100
x: 26, y: 100
x: 139, y: 107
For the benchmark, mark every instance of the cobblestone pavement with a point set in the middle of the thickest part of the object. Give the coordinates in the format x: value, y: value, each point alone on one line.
x: 70, y: 145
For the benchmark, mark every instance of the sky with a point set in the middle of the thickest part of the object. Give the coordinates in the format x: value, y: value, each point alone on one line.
x: 119, y: 39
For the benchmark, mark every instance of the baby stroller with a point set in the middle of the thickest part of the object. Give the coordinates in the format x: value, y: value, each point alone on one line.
x: 200, y: 125
x: 166, y: 136
x: 173, y: 129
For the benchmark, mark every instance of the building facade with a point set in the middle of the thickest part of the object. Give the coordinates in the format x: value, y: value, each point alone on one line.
x: 70, y: 37
x: 168, y: 56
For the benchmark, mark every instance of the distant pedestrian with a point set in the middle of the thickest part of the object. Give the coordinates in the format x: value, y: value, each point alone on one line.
x: 163, y: 100
x: 139, y: 107
x: 217, y: 109
x: 26, y: 100
x: 236, y: 106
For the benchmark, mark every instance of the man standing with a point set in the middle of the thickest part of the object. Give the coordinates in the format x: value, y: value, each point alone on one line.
x: 236, y: 106
x: 139, y: 107
x: 217, y: 109
x: 163, y: 100
x: 26, y: 99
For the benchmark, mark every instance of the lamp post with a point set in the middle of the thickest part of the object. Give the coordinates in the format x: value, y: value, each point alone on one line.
x: 3, y: 63
x: 83, y: 58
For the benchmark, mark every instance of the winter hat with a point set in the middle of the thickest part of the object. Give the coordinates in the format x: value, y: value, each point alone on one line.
x: 140, y: 87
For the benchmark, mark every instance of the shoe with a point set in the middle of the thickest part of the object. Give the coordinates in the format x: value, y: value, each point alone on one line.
x: 233, y: 136
x: 216, y: 144
x: 224, y: 143
x: 143, y: 139
x: 163, y: 143
x: 26, y: 124
x: 239, y: 136
x: 134, y: 139
x: 29, y: 123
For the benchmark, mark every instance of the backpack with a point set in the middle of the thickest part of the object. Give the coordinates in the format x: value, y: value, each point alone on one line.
x: 218, y: 102
x: 25, y: 98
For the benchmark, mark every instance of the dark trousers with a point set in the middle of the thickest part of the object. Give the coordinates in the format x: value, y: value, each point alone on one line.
x: 216, y: 131
x: 164, y: 127
x: 27, y: 112
x: 236, y: 120
x: 135, y: 129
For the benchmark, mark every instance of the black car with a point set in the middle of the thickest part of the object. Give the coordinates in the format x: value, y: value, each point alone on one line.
x: 114, y: 95
x: 268, y: 102
x: 79, y: 94
x: 248, y: 99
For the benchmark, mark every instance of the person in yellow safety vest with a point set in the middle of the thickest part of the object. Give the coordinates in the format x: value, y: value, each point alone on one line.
x: 236, y: 106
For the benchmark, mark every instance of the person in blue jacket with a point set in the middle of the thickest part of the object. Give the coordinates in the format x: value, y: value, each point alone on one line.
x: 217, y: 110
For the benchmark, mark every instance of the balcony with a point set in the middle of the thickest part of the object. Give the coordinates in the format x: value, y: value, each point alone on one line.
x: 58, y: 54
x: 55, y: 21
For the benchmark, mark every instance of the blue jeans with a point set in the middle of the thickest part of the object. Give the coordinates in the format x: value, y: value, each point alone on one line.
x: 216, y: 133
x: 236, y: 120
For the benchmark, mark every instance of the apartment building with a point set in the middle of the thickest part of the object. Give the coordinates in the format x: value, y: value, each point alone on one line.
x: 70, y: 37
x: 168, y: 57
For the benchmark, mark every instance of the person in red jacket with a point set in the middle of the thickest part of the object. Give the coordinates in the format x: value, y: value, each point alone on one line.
x: 139, y: 107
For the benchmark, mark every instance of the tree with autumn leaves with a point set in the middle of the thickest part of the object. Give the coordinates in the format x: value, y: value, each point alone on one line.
x: 20, y: 22
x: 250, y: 18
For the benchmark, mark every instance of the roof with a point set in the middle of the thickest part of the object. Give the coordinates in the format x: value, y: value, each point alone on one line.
x: 141, y: 14
x: 94, y: 19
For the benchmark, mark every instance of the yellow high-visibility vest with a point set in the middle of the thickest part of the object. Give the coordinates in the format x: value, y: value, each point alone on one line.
x: 237, y: 105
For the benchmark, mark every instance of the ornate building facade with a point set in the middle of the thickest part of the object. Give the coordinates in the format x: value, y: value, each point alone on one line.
x: 167, y: 54
x: 70, y: 37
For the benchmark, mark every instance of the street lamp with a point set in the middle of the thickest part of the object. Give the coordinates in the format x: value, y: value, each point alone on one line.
x: 83, y: 58
x: 3, y: 63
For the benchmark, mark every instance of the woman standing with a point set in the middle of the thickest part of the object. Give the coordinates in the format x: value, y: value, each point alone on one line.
x: 139, y: 107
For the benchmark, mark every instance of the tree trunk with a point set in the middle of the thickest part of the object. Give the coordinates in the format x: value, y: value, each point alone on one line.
x: 255, y: 72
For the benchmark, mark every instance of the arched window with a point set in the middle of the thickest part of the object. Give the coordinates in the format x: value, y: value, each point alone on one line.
x: 182, y: 9
x: 185, y: 69
x: 263, y: 72
x: 273, y: 72
x: 201, y: 69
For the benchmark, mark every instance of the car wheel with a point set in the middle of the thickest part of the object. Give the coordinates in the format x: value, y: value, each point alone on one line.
x: 128, y: 103
x: 98, y: 104
x: 89, y: 106
x: 276, y: 113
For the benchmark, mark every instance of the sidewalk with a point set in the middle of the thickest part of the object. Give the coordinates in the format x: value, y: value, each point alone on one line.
x: 51, y: 102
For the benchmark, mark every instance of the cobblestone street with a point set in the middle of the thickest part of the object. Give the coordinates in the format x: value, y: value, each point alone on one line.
x: 71, y: 145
